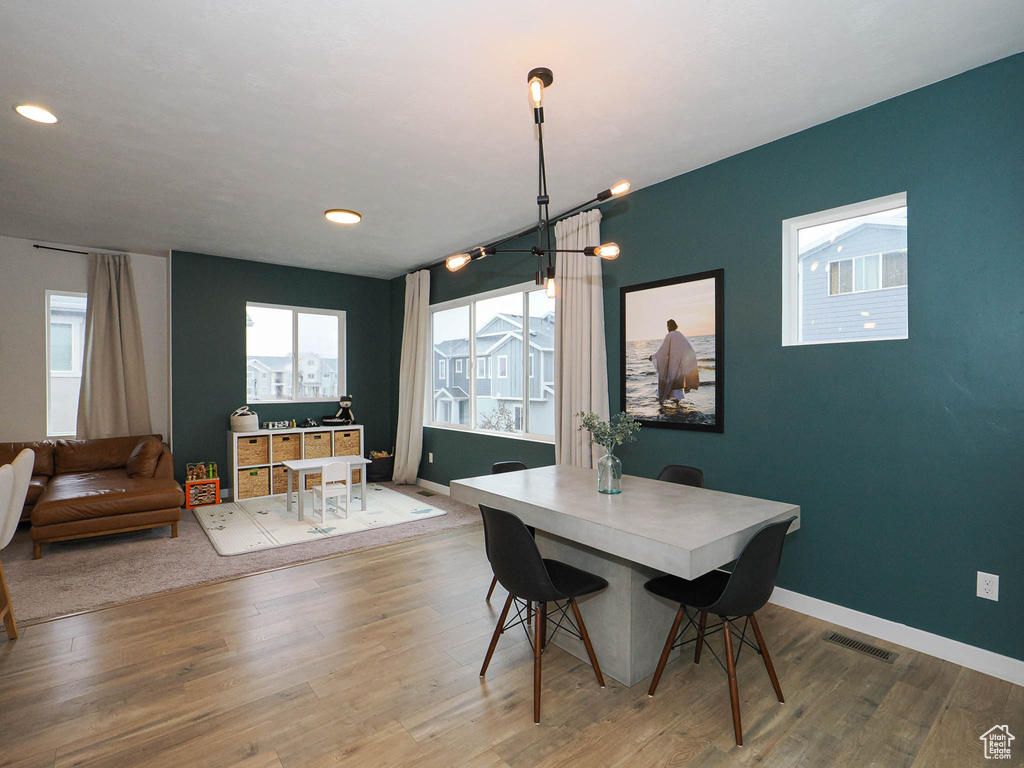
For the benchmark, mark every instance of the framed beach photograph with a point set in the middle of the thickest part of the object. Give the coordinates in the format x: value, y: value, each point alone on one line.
x: 672, y: 350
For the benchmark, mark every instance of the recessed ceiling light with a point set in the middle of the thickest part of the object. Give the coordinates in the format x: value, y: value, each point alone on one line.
x: 341, y: 216
x: 38, y: 114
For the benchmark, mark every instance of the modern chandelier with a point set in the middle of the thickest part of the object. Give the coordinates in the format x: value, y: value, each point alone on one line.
x: 538, y: 79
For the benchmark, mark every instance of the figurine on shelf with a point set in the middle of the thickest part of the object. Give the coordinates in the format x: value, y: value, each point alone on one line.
x: 344, y: 416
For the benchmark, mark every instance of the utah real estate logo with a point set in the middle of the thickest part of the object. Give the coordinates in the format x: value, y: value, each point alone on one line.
x: 997, y: 742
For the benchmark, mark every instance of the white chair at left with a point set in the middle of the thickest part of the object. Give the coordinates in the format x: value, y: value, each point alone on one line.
x: 335, y: 482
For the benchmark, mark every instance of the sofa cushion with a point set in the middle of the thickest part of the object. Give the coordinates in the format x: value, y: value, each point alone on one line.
x: 96, y: 454
x: 42, y: 448
x: 143, y: 459
x: 103, y: 493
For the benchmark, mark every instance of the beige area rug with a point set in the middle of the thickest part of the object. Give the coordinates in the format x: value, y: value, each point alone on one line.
x: 237, y: 528
x: 86, y: 574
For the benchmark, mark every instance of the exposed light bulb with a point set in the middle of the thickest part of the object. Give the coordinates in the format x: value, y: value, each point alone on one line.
x: 549, y: 288
x: 536, y: 92
x: 620, y: 189
x: 341, y: 216
x: 457, y: 262
x: 608, y: 251
x: 38, y: 114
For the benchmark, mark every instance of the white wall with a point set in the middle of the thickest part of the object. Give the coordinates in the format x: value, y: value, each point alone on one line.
x: 26, y: 273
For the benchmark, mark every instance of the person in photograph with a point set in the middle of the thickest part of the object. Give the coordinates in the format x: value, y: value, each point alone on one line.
x: 676, y: 364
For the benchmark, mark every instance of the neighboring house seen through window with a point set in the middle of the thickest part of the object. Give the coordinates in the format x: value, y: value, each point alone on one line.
x: 513, y: 395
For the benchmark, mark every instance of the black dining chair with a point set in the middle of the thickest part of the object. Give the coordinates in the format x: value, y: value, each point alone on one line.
x: 529, y: 578
x: 730, y: 597
x: 500, y: 468
x: 683, y: 475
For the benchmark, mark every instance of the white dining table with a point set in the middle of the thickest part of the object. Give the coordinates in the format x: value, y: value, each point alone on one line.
x: 306, y: 466
x: 652, y: 527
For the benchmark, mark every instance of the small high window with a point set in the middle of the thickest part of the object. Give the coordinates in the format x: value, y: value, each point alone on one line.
x: 844, y: 274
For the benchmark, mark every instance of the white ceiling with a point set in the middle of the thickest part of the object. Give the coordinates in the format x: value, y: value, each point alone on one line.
x: 229, y: 127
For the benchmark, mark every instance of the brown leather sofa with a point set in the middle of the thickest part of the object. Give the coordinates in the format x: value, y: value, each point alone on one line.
x: 83, y: 488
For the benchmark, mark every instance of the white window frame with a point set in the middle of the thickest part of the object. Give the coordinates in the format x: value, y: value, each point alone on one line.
x: 531, y: 364
x: 791, y: 299
x: 76, y: 364
x: 472, y: 363
x: 296, y: 377
x: 442, y: 369
x: 458, y: 365
x: 502, y: 359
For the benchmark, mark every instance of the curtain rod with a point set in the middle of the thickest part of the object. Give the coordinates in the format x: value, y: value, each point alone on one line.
x: 63, y: 250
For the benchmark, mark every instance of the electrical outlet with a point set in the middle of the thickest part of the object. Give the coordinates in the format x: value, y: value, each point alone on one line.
x: 430, y: 460
x: 988, y: 586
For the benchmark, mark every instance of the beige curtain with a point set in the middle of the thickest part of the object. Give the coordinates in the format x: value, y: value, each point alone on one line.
x: 581, y: 369
x: 413, y: 377
x: 113, y: 399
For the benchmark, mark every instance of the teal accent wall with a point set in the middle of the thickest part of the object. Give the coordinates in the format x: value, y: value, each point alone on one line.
x: 208, y: 297
x: 906, y: 457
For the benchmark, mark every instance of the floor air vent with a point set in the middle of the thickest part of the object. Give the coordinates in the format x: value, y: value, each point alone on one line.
x: 856, y: 645
x: 426, y: 493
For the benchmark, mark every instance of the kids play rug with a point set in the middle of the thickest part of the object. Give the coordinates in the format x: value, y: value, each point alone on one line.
x: 250, y: 525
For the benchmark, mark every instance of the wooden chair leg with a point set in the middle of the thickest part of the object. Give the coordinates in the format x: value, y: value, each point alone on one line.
x: 174, y: 530
x: 494, y: 583
x: 497, y: 633
x: 6, y: 608
x: 586, y: 642
x: 538, y: 648
x: 37, y: 550
x: 666, y: 650
x: 734, y: 691
x: 767, y: 659
x: 700, y: 637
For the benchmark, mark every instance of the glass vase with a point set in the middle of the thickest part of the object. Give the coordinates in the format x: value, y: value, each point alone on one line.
x: 609, y: 473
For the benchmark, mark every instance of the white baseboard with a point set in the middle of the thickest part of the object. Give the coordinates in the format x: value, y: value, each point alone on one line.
x: 435, y: 487
x: 972, y: 657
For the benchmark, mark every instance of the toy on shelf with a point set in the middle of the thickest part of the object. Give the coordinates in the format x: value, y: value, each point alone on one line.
x: 344, y: 416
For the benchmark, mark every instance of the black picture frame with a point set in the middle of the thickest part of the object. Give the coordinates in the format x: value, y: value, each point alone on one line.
x: 687, y: 297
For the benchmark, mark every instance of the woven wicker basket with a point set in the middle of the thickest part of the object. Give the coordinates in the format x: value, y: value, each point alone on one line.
x: 253, y: 482
x: 312, y: 480
x: 253, y: 450
x: 318, y: 445
x: 346, y: 443
x: 286, y: 447
x: 281, y: 480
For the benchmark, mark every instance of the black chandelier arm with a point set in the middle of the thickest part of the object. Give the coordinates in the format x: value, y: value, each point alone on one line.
x: 542, y: 251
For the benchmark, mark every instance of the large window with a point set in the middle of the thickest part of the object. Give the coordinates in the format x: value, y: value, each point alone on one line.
x: 844, y: 274
x: 65, y: 340
x: 507, y: 382
x: 293, y: 354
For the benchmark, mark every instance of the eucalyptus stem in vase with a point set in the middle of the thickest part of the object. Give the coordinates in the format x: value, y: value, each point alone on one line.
x: 620, y: 429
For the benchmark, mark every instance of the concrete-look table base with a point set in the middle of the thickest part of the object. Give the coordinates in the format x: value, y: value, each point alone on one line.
x: 627, y: 624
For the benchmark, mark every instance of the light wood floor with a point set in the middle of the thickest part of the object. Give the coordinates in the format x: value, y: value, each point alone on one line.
x: 372, y: 659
